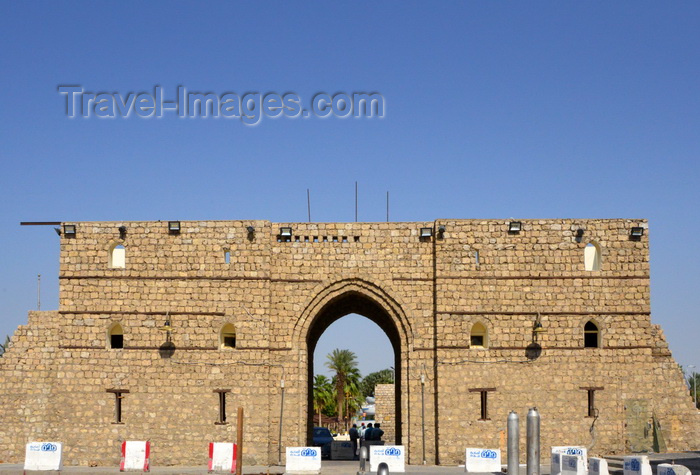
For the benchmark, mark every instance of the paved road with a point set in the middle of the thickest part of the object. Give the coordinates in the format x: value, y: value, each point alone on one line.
x: 330, y: 467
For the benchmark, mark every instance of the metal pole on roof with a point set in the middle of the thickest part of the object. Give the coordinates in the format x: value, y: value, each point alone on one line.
x: 308, y: 202
x: 387, y: 206
x: 355, y: 201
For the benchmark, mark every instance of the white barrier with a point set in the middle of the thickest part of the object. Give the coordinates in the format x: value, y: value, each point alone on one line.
x: 567, y: 450
x: 637, y: 465
x: 598, y: 466
x: 136, y: 455
x: 222, y: 456
x: 572, y: 465
x: 303, y: 460
x: 668, y: 469
x: 555, y: 464
x: 482, y: 460
x: 43, y: 456
x: 342, y: 450
x: 392, y: 455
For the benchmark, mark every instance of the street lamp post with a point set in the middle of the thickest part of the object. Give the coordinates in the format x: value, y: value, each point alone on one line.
x: 695, y: 386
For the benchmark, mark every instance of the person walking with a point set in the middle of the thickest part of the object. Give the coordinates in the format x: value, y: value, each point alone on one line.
x: 354, y: 435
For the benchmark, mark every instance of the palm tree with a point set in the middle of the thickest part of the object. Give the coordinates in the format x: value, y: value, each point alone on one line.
x: 343, y: 362
x: 323, y: 395
x: 352, y: 392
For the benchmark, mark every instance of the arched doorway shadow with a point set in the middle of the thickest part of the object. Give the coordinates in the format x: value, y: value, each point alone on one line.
x: 365, y: 299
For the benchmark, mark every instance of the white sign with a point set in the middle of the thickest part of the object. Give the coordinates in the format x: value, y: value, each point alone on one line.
x: 222, y: 456
x: 342, y: 450
x: 570, y: 450
x: 135, y: 455
x: 572, y: 465
x: 668, y: 469
x: 598, y: 466
x: 483, y: 460
x: 637, y: 465
x: 392, y: 455
x: 303, y: 460
x: 43, y: 456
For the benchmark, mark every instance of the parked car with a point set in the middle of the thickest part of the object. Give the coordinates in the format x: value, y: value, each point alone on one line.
x: 323, y: 438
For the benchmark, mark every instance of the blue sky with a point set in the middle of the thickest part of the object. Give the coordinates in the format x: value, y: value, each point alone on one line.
x: 493, y: 110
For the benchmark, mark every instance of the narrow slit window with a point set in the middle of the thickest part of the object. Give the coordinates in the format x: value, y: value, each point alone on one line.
x: 228, y: 336
x: 591, y: 257
x: 478, y: 337
x: 591, y: 335
x: 222, y: 405
x: 117, y: 257
x: 476, y: 258
x: 118, y: 409
x: 484, y: 405
x: 227, y: 257
x: 116, y: 336
x: 484, y: 402
x: 591, y: 403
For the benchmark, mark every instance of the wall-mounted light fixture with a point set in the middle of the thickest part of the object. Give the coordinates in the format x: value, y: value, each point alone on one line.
x: 426, y: 233
x: 69, y: 230
x: 167, y: 328
x: 636, y: 233
x: 122, y: 232
x: 537, y: 328
x: 514, y: 227
x: 441, y: 231
x: 579, y: 234
x: 285, y: 234
x: 174, y: 227
x: 251, y: 231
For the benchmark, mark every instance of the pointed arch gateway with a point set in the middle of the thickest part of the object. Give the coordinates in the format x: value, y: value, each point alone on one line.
x: 363, y: 298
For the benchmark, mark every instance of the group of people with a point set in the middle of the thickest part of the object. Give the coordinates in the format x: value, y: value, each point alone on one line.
x: 363, y: 434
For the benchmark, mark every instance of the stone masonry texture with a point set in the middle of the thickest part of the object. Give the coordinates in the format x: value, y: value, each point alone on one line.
x: 60, y: 378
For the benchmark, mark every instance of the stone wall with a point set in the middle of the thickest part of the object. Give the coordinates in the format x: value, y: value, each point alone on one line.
x: 385, y: 411
x: 57, y: 380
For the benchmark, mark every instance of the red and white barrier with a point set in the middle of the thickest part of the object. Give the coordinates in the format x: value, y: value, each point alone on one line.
x: 135, y: 455
x: 43, y: 456
x: 222, y: 456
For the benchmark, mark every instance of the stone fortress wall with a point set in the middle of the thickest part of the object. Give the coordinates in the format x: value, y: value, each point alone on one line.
x: 60, y: 380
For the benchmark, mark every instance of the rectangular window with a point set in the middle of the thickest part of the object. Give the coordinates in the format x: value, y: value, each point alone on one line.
x: 118, y: 397
x: 222, y: 405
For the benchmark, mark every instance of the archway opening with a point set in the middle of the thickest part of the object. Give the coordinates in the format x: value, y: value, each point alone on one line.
x: 359, y: 309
